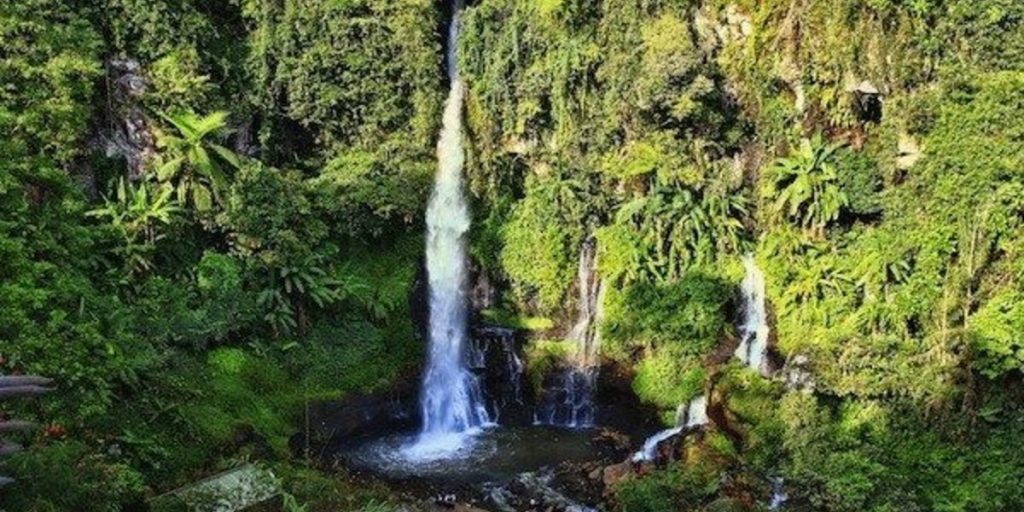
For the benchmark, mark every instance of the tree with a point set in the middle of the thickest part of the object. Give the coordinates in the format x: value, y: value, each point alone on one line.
x: 197, y: 176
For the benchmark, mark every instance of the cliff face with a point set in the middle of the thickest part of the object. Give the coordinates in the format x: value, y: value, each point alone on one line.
x: 865, y: 152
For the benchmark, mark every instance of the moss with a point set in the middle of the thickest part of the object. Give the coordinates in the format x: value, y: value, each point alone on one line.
x: 667, y: 377
x: 545, y: 356
x: 505, y: 318
x: 334, y: 492
x: 678, y: 487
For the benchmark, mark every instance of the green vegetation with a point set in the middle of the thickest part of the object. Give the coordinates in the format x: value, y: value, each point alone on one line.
x: 867, y: 152
x: 870, y: 153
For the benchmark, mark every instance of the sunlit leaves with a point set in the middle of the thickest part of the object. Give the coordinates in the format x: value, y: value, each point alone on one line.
x: 198, y: 178
x: 138, y: 215
x: 660, y: 235
x: 805, y: 186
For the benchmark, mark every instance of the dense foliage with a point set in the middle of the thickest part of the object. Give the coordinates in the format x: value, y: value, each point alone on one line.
x: 233, y: 281
x: 870, y: 153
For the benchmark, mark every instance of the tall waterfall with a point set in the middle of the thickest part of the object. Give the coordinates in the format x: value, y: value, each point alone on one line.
x: 754, y: 324
x: 569, y: 401
x: 451, y: 400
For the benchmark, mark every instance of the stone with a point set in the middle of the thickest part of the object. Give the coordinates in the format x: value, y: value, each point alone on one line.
x: 908, y: 152
x: 612, y: 440
x: 864, y: 87
x: 612, y: 475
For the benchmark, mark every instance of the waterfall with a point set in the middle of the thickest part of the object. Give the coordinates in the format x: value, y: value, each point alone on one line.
x: 691, y: 415
x: 569, y: 401
x: 584, y: 333
x: 754, y: 324
x: 451, y: 400
x: 779, y: 496
x: 650, y: 449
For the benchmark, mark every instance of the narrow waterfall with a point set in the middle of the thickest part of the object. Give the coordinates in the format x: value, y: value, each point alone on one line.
x: 690, y: 415
x: 779, y: 496
x: 754, y: 324
x: 494, y: 356
x: 569, y: 401
x: 451, y: 400
x: 585, y: 332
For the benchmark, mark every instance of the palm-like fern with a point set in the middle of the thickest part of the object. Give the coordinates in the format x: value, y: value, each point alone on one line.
x: 197, y: 175
x: 675, y: 226
x: 138, y: 213
x: 806, y: 186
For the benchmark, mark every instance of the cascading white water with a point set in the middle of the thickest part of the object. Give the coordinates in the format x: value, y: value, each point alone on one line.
x: 779, y: 496
x: 570, y: 401
x: 697, y: 412
x: 451, y: 400
x: 693, y: 414
x: 754, y: 327
x: 585, y: 332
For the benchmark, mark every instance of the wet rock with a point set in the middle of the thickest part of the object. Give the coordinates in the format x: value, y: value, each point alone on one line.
x: 484, y: 294
x: 613, y: 442
x: 612, y: 475
x: 130, y: 136
x: 465, y: 507
x: 581, y: 481
x: 724, y: 352
x: 533, y: 492
x: 495, y: 356
x: 359, y: 415
x: 774, y: 360
x: 797, y: 374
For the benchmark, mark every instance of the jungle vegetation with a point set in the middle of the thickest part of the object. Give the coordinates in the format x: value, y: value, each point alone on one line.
x: 870, y: 153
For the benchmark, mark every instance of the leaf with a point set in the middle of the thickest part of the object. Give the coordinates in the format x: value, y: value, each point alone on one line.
x: 182, y: 122
x: 228, y: 155
x: 200, y: 159
x: 201, y: 198
x: 167, y: 171
x: 211, y: 123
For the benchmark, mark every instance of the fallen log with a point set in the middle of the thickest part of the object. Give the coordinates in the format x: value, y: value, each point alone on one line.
x: 16, y: 426
x: 24, y: 380
x: 7, y: 449
x: 16, y: 391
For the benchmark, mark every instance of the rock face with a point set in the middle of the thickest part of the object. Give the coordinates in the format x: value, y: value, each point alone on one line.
x: 533, y: 491
x: 129, y: 136
x: 496, y: 359
x: 867, y: 101
x: 797, y: 374
x: 484, y: 293
x: 360, y: 415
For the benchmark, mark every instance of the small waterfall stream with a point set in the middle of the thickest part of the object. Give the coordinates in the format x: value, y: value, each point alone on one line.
x: 754, y: 324
x: 569, y: 401
x: 691, y: 415
x: 451, y: 400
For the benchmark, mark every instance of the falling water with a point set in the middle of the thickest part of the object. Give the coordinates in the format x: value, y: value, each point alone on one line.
x: 690, y: 415
x: 754, y: 327
x: 779, y: 496
x: 650, y: 449
x: 451, y: 399
x: 585, y: 333
x: 569, y: 402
